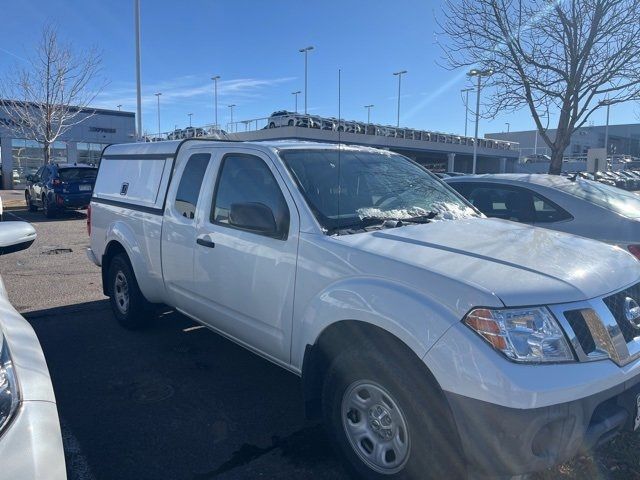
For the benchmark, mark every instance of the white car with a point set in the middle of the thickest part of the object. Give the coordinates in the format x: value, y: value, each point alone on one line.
x: 573, y: 205
x: 434, y: 342
x: 30, y: 438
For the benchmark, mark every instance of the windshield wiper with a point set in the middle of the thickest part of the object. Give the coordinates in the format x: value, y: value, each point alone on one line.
x: 392, y: 222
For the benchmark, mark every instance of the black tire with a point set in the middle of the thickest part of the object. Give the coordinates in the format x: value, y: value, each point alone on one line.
x: 433, y: 443
x: 137, y: 313
x: 29, y: 202
x: 290, y: 123
x: 272, y: 125
x: 46, y: 207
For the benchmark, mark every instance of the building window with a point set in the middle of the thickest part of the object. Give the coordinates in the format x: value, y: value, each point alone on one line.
x: 28, y: 157
x: 89, y: 153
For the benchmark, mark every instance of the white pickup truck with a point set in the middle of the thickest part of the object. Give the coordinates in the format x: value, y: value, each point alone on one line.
x: 432, y: 341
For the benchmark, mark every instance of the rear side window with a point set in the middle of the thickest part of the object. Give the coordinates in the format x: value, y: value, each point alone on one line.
x: 71, y: 174
x: 190, y: 184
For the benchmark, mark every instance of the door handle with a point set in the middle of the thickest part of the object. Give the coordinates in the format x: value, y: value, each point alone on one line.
x: 205, y: 242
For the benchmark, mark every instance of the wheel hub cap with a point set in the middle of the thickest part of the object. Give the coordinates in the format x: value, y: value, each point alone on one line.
x: 375, y: 426
x: 121, y: 292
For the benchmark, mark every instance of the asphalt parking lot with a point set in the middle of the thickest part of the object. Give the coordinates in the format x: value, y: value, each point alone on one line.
x: 176, y: 401
x: 173, y: 402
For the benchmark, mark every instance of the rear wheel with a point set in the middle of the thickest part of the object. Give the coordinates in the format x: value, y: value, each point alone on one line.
x: 387, y: 420
x: 272, y: 125
x: 129, y: 306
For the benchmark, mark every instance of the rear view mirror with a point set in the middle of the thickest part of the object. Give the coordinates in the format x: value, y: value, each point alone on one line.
x: 16, y: 236
x: 253, y: 216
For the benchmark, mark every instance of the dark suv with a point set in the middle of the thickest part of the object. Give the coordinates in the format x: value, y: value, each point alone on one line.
x: 56, y: 187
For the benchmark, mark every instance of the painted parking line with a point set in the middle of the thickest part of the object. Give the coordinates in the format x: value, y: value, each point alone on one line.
x: 16, y: 216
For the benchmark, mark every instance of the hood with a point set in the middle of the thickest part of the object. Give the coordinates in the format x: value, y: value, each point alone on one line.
x: 522, y: 265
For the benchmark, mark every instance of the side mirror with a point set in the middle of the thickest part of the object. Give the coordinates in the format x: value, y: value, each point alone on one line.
x: 16, y: 236
x: 253, y: 216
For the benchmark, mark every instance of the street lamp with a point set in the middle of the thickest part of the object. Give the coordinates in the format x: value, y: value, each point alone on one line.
x: 190, y: 115
x: 606, y: 102
x: 136, y: 14
x: 119, y: 107
x: 305, y: 50
x: 466, y: 108
x: 508, y: 126
x: 158, y: 97
x: 231, y: 109
x: 399, y: 75
x: 296, y: 95
x: 369, y: 107
x: 477, y: 73
x: 215, y: 99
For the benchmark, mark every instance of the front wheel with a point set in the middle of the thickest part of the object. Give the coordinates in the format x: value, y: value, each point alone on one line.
x: 29, y: 202
x: 129, y: 306
x: 48, y: 211
x: 387, y: 420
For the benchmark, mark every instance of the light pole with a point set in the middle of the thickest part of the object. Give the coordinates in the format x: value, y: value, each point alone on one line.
x: 190, y: 115
x: 305, y: 50
x: 158, y: 97
x: 136, y: 14
x: 215, y: 99
x: 477, y: 73
x: 295, y: 94
x: 369, y: 107
x: 466, y: 108
x: 606, y: 102
x: 399, y: 75
x: 508, y: 126
x: 231, y: 109
x: 119, y: 107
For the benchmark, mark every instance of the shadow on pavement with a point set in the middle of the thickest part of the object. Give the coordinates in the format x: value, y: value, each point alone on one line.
x: 38, y: 216
x: 166, y: 403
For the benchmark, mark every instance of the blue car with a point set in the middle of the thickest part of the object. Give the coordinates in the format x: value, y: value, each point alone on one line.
x: 57, y: 187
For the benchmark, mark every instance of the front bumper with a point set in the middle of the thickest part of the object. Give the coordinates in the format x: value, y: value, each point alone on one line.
x: 503, y: 441
x: 31, y: 446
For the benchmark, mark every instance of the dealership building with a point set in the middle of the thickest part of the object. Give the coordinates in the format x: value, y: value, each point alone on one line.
x: 81, y: 144
x: 622, y: 139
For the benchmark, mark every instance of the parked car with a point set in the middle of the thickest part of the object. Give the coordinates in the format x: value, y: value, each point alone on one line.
x: 282, y: 118
x: 581, y: 207
x: 30, y: 437
x: 634, y: 182
x: 601, y: 177
x: 56, y: 187
x: 429, y: 338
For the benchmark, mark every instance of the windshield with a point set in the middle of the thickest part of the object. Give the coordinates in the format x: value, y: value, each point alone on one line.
x: 350, y: 188
x: 611, y: 198
x: 71, y: 174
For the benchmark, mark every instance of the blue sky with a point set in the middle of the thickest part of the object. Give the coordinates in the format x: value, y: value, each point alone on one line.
x: 254, y: 46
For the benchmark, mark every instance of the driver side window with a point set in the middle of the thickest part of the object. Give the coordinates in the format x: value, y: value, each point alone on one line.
x: 243, y: 181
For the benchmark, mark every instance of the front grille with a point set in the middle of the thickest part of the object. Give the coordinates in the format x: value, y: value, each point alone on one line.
x: 579, y: 325
x: 615, y: 303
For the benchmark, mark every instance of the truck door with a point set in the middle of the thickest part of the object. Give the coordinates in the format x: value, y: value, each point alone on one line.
x: 245, y: 253
x: 179, y: 229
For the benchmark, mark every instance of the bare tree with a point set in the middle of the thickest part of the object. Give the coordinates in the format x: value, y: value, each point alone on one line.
x: 566, y: 56
x: 51, y: 93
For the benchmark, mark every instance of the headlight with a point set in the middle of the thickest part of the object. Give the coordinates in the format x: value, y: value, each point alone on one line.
x: 9, y: 398
x: 523, y: 335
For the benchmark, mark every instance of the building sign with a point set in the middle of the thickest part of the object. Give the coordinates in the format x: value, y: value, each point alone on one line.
x: 102, y: 130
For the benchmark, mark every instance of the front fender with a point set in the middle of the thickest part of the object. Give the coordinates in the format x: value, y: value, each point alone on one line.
x: 411, y: 316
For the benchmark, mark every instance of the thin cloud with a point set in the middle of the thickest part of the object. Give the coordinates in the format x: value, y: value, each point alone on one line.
x: 188, y: 88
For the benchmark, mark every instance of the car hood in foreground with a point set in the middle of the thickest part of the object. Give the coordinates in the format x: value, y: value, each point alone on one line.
x: 522, y: 265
